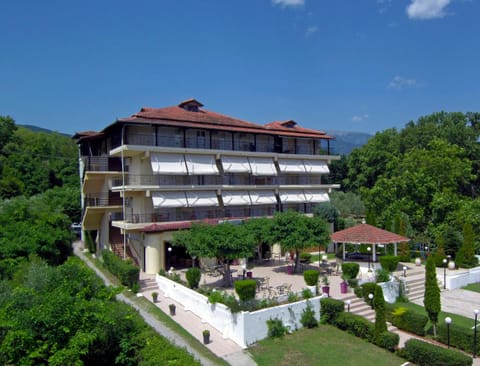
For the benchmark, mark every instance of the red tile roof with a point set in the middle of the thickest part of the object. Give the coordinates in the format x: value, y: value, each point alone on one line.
x: 202, y: 118
x: 366, y: 234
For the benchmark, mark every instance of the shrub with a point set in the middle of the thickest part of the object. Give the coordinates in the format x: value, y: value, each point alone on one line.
x: 426, y: 354
x: 382, y: 275
x: 305, y: 257
x: 311, y: 277
x: 292, y: 297
x: 193, y: 276
x: 368, y: 288
x: 380, y: 318
x: 245, y: 289
x: 387, y: 340
x: 306, y: 293
x: 353, y: 283
x: 389, y: 262
x: 330, y: 308
x: 408, y: 320
x: 126, y: 272
x: 358, y: 291
x: 356, y: 325
x: 308, y: 318
x: 350, y: 270
x: 276, y: 328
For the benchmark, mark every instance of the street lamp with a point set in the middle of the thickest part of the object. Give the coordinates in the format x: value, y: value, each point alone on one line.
x: 370, y: 296
x: 448, y: 321
x: 444, y: 273
x: 169, y: 249
x: 348, y: 302
x: 369, y: 250
x: 475, y: 334
x: 404, y: 271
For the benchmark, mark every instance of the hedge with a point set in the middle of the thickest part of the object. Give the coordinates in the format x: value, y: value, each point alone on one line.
x: 193, y: 276
x: 368, y: 288
x: 355, y: 324
x: 350, y: 270
x: 311, y: 277
x: 245, y: 289
x: 389, y: 262
x: 388, y: 340
x: 407, y: 319
x: 426, y: 354
x: 330, y: 308
x: 124, y: 270
x: 460, y: 337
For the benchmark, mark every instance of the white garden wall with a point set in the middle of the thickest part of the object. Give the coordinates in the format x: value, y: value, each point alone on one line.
x: 244, y: 328
x: 462, y: 278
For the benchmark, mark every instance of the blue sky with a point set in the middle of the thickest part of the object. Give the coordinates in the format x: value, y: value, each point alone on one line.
x: 351, y: 65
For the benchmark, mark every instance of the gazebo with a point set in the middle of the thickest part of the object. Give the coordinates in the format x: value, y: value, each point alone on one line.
x: 367, y: 234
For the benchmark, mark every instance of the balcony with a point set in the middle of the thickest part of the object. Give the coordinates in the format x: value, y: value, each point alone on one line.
x: 101, y: 164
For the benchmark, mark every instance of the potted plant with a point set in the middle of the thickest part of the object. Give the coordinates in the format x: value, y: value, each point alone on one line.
x: 154, y: 296
x: 172, y: 308
x: 206, y: 336
x: 311, y: 279
x: 326, y: 285
x: 344, y: 284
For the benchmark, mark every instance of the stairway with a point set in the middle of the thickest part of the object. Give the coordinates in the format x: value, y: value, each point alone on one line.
x: 359, y: 307
x: 116, y: 244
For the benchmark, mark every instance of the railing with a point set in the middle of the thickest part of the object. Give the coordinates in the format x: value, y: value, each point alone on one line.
x: 214, y: 143
x: 101, y: 163
x: 102, y: 201
x: 216, y: 180
x: 189, y: 214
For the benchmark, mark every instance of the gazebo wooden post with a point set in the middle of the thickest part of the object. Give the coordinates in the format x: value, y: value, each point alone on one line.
x: 343, y: 246
x: 374, y: 252
x: 395, y: 248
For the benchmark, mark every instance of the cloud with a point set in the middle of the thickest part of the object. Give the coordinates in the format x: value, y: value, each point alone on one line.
x: 399, y: 83
x: 360, y: 118
x: 311, y: 30
x: 427, y: 9
x: 292, y: 3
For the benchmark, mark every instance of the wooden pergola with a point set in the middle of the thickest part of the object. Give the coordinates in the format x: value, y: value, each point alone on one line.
x: 367, y: 234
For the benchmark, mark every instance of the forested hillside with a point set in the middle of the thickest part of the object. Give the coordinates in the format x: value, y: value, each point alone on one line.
x: 422, y: 181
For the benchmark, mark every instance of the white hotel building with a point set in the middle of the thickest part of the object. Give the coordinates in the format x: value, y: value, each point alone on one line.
x: 148, y: 175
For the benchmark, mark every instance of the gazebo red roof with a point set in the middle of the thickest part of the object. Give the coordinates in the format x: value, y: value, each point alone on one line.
x: 366, y: 234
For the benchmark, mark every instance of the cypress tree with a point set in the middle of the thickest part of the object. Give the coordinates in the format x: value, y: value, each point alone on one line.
x: 469, y: 259
x: 431, y: 299
x: 380, y: 317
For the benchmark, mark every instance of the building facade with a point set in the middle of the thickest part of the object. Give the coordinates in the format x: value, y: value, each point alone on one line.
x: 148, y: 175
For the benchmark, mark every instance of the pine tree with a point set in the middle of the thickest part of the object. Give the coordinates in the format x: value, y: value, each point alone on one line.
x: 469, y: 259
x: 380, y: 317
x: 431, y: 299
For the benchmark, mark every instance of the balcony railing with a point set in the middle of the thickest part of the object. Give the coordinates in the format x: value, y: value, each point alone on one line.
x: 101, y: 163
x: 102, y: 201
x: 216, y: 180
x: 214, y: 143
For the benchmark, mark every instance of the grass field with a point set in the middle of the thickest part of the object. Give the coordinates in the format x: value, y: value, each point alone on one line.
x: 475, y: 287
x: 325, y: 345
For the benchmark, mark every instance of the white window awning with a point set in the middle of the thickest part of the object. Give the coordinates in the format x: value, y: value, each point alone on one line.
x: 235, y: 164
x: 201, y: 164
x: 263, y: 198
x: 316, y: 196
x: 262, y: 166
x: 316, y: 166
x: 235, y: 198
x: 291, y: 165
x: 292, y: 196
x: 202, y: 198
x: 168, y: 163
x: 169, y: 199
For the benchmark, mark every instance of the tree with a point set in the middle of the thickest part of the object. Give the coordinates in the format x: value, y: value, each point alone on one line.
x: 466, y: 255
x: 380, y: 316
x: 7, y: 130
x: 295, y: 231
x: 224, y: 241
x: 431, y: 299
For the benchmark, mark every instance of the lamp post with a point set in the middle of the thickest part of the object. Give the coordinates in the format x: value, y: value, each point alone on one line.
x: 348, y: 302
x: 444, y: 273
x: 476, y: 311
x: 370, y: 296
x: 169, y: 249
x: 405, y: 271
x: 448, y: 321
x: 369, y: 250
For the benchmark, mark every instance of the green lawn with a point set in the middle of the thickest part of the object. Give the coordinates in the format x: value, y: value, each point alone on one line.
x: 325, y: 345
x: 475, y: 287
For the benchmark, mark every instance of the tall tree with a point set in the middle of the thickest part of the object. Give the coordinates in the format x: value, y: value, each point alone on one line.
x: 223, y: 241
x: 431, y: 299
x: 380, y: 315
x: 295, y: 231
